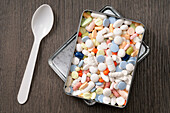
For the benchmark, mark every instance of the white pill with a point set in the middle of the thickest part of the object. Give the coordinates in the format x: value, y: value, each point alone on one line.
x: 83, y: 79
x: 102, y: 66
x: 86, y: 61
x: 121, y: 53
x: 108, y: 35
x: 109, y: 60
x: 99, y: 47
x: 137, y: 45
x: 106, y: 100
x: 86, y: 67
x: 107, y: 92
x: 89, y: 43
x: 94, y: 77
x: 127, y: 22
x: 104, y: 31
x: 117, y: 31
x: 127, y: 87
x: 118, y: 23
x: 118, y: 59
x: 124, y: 27
x: 139, y: 29
x: 118, y: 40
x: 104, y: 77
x: 78, y: 47
x: 109, y: 52
x: 98, y: 15
x: 93, y: 69
x: 112, y: 79
x: 85, y: 52
x: 120, y: 101
x: 104, y: 45
x: 77, y: 92
x: 99, y: 37
x: 113, y: 100
x: 75, y: 60
x: 111, y: 67
x: 114, y: 57
x: 125, y: 72
x: 129, y: 67
x: 136, y: 39
x: 89, y: 87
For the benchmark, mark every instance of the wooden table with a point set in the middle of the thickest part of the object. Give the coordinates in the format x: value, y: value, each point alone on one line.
x: 151, y: 87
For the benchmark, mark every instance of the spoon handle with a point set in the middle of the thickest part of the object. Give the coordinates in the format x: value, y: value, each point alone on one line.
x: 26, y: 81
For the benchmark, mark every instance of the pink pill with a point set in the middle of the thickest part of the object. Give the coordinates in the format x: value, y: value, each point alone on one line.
x: 107, y: 85
x: 108, y: 41
x: 76, y: 87
x: 87, y: 79
x: 133, y: 36
x: 86, y: 71
x: 126, y: 47
x: 90, y: 27
x: 115, y: 93
x: 124, y: 94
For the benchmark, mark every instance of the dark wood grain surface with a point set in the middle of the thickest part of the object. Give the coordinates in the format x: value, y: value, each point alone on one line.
x: 151, y: 86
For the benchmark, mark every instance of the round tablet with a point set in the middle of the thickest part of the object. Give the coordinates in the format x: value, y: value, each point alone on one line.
x: 120, y: 101
x: 139, y: 29
x: 100, y: 58
x: 93, y: 69
x: 73, y: 67
x: 106, y: 100
x: 106, y: 22
x: 114, y: 47
x: 131, y: 31
x: 112, y: 20
x: 94, y: 77
x: 118, y: 69
x: 118, y: 40
x: 101, y: 66
x: 100, y: 98
x: 74, y: 75
x: 121, y: 53
x: 123, y: 64
x: 107, y: 92
x: 129, y: 67
x: 75, y: 60
x: 99, y: 91
x: 117, y: 31
x: 85, y: 38
x: 89, y: 43
x: 121, y: 85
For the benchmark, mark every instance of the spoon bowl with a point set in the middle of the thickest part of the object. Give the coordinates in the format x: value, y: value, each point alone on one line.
x: 41, y: 24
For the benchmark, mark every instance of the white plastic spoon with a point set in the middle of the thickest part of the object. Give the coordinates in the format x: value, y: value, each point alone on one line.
x: 42, y: 22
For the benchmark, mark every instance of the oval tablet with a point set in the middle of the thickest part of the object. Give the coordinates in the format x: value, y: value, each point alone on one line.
x: 139, y: 29
x: 118, y: 40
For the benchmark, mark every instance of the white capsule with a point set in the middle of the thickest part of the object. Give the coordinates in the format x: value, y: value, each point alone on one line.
x: 137, y: 45
x: 83, y: 79
x: 86, y: 67
x: 95, y: 15
x: 104, y: 77
x: 108, y: 35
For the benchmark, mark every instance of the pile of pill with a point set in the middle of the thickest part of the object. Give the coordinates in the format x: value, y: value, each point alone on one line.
x: 104, y: 58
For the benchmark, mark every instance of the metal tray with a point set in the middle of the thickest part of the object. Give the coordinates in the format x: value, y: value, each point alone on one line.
x: 61, y: 66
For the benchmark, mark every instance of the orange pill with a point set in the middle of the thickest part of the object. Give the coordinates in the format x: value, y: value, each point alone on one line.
x: 123, y: 45
x: 115, y: 63
x: 80, y: 74
x: 105, y: 72
x: 101, y: 80
x: 111, y: 28
x: 127, y: 36
x: 124, y: 103
x: 94, y: 50
x: 94, y: 34
x: 98, y: 28
x: 86, y: 15
x: 114, y: 53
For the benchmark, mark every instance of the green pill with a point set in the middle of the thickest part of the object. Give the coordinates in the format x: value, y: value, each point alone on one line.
x: 86, y: 22
x: 133, y: 26
x: 129, y: 50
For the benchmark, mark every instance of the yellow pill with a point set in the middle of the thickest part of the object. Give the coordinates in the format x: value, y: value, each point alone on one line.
x: 85, y: 57
x: 88, y: 74
x: 81, y: 68
x: 110, y: 38
x: 77, y: 69
x: 85, y: 34
x: 74, y: 75
x: 98, y: 21
x: 99, y: 91
x: 93, y: 95
x: 82, y: 30
x: 111, y: 95
x: 87, y: 95
x: 100, y: 52
x: 140, y: 36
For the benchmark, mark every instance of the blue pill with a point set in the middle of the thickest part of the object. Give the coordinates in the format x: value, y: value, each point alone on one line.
x: 106, y: 22
x: 100, y: 98
x: 96, y: 99
x: 123, y: 64
x: 133, y: 58
x: 126, y: 57
x: 121, y: 85
x: 118, y: 69
x: 99, y: 83
x: 85, y: 38
x: 114, y: 48
x: 100, y: 58
x: 132, y: 62
x: 73, y: 67
x: 81, y: 63
x: 79, y: 55
x: 112, y: 20
x: 93, y: 89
